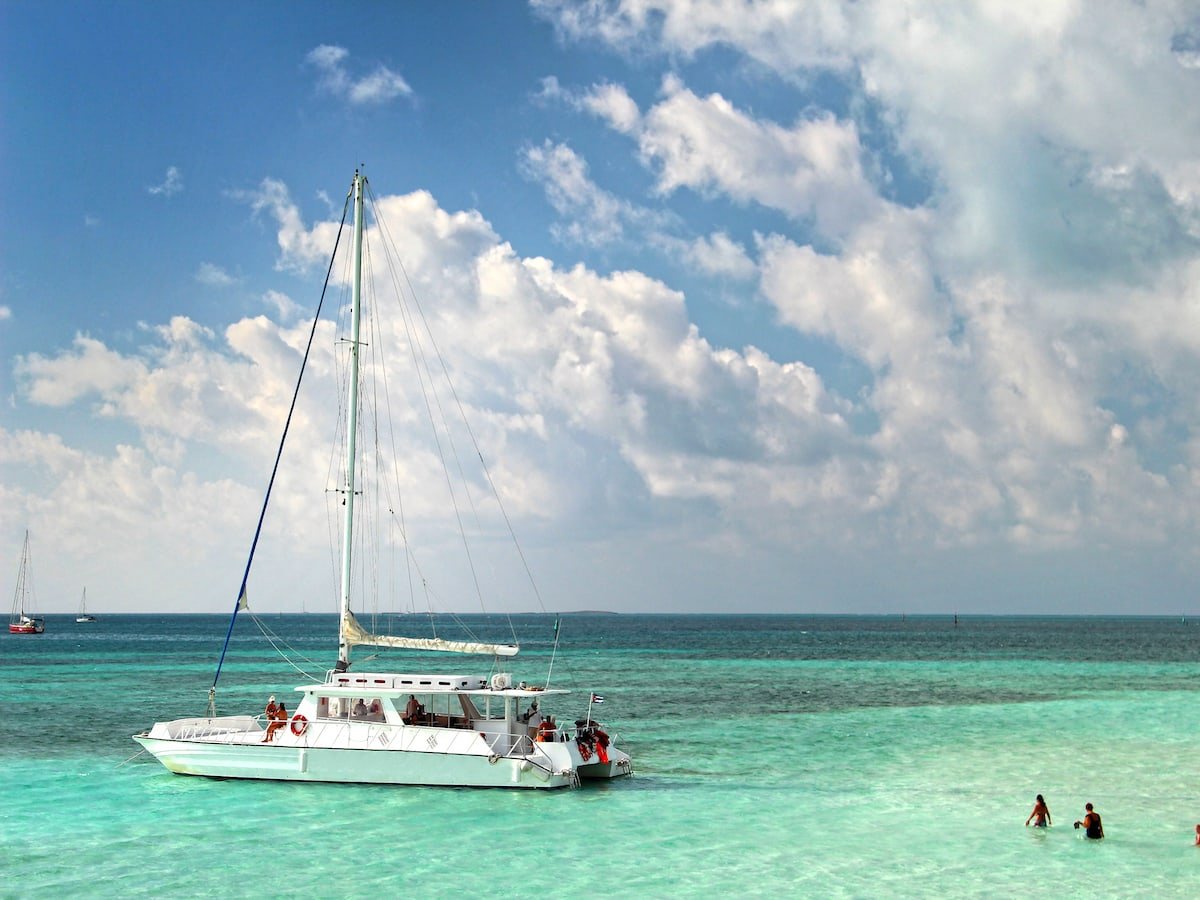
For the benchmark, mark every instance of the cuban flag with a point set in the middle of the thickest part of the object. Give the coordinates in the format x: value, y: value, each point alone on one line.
x: 596, y: 698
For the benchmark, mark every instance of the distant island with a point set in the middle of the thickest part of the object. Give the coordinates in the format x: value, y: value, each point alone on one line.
x: 588, y: 612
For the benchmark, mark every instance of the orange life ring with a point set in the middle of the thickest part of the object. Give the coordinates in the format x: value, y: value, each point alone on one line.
x: 299, y: 724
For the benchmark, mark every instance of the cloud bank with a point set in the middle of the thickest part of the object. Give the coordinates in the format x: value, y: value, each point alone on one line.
x: 993, y: 224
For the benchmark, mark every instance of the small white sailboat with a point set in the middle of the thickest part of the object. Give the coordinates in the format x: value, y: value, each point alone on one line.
x: 83, y: 613
x: 21, y: 621
x: 414, y: 728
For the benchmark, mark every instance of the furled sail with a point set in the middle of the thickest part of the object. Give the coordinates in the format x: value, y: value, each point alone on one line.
x: 355, y: 634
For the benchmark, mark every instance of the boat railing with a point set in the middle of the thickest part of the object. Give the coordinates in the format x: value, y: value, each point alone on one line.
x: 381, y: 735
x: 521, y: 745
x: 234, y: 729
x: 206, y: 729
x: 529, y: 750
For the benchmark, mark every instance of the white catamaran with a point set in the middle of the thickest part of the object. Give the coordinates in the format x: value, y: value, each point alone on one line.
x: 388, y: 728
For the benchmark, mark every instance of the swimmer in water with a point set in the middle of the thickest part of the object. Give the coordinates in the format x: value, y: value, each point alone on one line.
x: 1040, y: 815
x: 1091, y: 822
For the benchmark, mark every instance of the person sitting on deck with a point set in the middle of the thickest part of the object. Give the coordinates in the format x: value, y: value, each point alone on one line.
x: 280, y: 719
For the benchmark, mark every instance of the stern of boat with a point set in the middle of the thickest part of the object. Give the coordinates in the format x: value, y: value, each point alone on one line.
x: 619, y: 764
x: 588, y: 761
x: 595, y: 754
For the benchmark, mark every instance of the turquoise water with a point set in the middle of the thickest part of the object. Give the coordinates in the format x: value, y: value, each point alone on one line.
x: 814, y: 756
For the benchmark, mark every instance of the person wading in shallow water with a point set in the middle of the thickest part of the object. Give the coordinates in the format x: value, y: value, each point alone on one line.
x: 1040, y: 815
x: 1091, y: 822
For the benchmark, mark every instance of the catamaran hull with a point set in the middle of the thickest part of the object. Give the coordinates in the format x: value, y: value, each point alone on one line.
x: 233, y: 747
x: 618, y: 765
x: 280, y: 763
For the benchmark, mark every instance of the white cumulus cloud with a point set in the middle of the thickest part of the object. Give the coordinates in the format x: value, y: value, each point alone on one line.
x: 213, y: 275
x: 377, y: 86
x: 171, y: 185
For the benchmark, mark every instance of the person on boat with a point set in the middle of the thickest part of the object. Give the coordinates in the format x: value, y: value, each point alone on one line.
x: 414, y: 713
x: 529, y: 713
x: 360, y: 709
x: 1091, y: 822
x: 270, y: 710
x: 376, y: 711
x: 546, y: 730
x: 1040, y: 815
x: 281, y: 717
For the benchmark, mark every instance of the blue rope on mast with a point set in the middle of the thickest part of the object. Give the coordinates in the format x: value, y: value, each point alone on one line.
x: 275, y: 469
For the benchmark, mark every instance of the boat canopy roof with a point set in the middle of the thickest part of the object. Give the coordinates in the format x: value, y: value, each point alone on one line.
x: 389, y: 685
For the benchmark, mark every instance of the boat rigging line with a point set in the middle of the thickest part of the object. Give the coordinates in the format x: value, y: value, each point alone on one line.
x: 394, y: 263
x: 131, y: 759
x: 241, y: 595
x: 275, y: 641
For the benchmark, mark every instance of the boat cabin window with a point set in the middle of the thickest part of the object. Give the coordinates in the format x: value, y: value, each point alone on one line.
x: 365, y: 709
x: 415, y: 710
x: 368, y: 709
x: 339, y: 707
x: 441, y: 709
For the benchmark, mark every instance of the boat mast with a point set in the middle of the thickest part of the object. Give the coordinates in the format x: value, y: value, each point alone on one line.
x: 18, y: 610
x: 351, y: 425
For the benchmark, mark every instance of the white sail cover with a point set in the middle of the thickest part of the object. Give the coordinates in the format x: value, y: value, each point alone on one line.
x: 354, y: 634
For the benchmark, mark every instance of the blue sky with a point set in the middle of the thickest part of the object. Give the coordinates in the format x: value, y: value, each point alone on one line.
x: 801, y: 306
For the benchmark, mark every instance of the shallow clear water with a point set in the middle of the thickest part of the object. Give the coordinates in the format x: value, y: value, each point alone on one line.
x: 815, y: 756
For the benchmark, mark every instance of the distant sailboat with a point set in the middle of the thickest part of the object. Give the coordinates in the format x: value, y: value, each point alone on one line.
x: 83, y: 613
x: 21, y: 621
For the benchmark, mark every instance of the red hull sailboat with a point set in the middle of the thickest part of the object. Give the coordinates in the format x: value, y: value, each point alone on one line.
x: 21, y: 621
